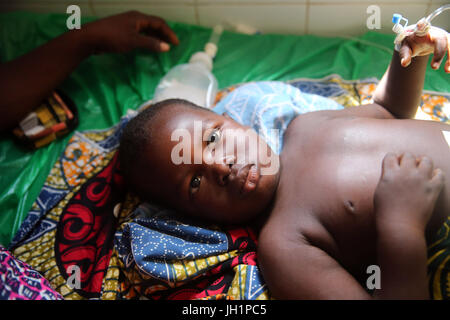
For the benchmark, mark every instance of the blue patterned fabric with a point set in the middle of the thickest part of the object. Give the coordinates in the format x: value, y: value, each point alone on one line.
x: 270, y: 105
x: 153, y: 241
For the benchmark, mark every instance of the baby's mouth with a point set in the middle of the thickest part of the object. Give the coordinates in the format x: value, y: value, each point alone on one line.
x: 244, y: 178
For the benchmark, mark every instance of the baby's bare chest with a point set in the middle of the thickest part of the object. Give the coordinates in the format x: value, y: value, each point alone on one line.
x: 337, y: 163
x: 338, y: 191
x: 334, y: 172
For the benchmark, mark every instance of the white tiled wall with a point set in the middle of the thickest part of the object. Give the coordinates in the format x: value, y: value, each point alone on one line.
x: 322, y: 17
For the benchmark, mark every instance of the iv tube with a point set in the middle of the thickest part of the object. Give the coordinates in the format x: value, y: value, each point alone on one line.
x: 437, y: 12
x: 211, y: 45
x: 420, y: 28
x: 215, y: 36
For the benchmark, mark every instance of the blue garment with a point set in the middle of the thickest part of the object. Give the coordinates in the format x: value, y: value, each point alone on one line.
x: 270, y: 105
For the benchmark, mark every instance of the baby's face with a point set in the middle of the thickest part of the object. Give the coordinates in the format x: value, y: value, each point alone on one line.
x: 209, y: 166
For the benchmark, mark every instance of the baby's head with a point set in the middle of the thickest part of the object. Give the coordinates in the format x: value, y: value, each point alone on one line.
x: 178, y: 154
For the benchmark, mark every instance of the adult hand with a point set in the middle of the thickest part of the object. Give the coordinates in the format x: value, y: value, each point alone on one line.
x: 127, y: 31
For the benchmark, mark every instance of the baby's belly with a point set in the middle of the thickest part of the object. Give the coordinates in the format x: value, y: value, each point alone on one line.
x: 356, y: 170
x: 350, y: 216
x: 337, y: 171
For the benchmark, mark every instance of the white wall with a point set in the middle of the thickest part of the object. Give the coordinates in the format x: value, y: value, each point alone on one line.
x: 321, y: 17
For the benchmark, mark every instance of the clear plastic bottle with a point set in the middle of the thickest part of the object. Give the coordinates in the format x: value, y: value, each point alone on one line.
x: 192, y: 81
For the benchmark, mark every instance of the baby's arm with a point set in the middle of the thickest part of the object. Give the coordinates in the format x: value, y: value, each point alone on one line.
x: 404, y: 201
x: 400, y: 89
x: 294, y: 269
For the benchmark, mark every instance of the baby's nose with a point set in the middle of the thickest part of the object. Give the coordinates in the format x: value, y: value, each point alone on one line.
x: 221, y: 172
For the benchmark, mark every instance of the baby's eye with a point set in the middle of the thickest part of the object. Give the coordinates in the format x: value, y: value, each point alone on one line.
x: 195, y: 183
x: 214, y: 136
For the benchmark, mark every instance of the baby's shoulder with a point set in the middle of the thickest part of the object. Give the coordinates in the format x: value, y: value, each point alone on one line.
x: 308, y: 123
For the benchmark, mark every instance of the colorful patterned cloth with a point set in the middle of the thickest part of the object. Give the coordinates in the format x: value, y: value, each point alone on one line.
x: 128, y: 250
x: 74, y: 219
x: 18, y: 281
x: 167, y: 257
x: 54, y: 118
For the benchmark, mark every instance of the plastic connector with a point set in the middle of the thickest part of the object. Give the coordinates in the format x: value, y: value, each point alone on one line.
x: 202, y: 58
x: 420, y: 29
x: 397, y: 20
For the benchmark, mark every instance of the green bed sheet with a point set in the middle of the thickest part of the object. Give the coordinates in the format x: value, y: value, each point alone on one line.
x: 103, y: 87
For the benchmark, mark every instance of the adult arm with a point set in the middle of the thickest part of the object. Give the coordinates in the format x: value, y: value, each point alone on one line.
x: 27, y: 80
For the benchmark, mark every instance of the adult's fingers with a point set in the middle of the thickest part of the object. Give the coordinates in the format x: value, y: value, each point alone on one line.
x: 150, y: 43
x: 152, y: 23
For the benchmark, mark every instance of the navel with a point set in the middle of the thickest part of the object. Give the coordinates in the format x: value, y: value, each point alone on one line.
x: 350, y: 206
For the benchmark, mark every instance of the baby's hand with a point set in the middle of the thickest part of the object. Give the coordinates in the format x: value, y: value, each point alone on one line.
x: 436, y: 41
x: 407, y: 190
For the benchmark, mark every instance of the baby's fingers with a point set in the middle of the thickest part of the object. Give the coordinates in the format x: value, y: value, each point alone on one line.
x: 447, y: 65
x: 390, y: 162
x: 405, y: 54
x: 440, y: 47
x: 425, y: 164
x: 438, y: 179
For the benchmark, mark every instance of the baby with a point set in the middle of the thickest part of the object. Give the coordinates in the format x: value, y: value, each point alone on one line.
x: 351, y: 188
